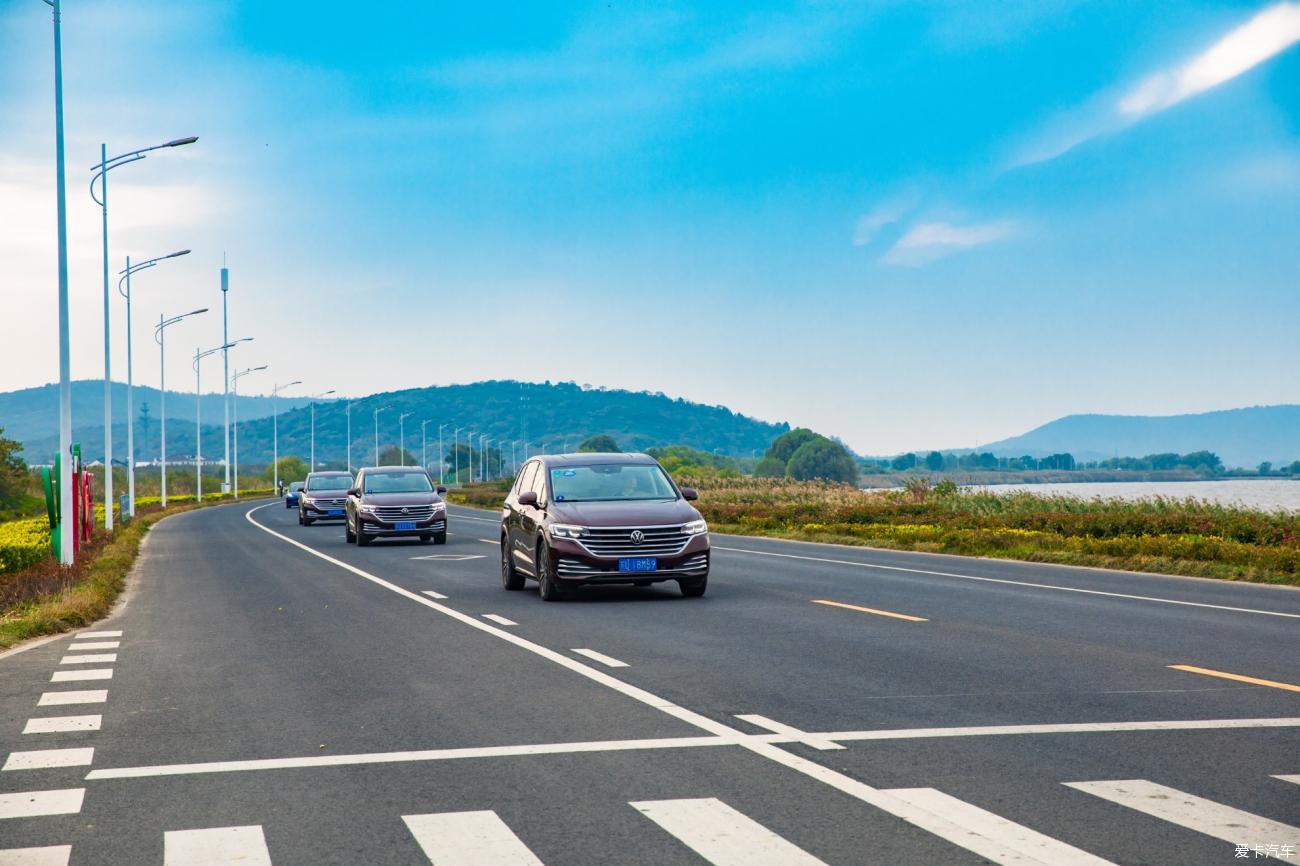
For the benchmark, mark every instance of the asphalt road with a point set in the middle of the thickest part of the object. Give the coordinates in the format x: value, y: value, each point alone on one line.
x: 271, y: 695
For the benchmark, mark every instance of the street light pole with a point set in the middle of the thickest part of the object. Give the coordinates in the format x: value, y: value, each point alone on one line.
x: 401, y: 435
x: 130, y: 375
x: 275, y: 432
x: 198, y: 412
x: 234, y: 387
x: 65, y: 368
x: 101, y: 174
x: 160, y: 337
x: 348, y: 412
x: 469, y: 457
x: 424, y: 439
x: 313, y: 426
x: 442, y: 458
x: 376, y: 413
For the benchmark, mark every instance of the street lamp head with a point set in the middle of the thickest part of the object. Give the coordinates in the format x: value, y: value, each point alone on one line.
x: 189, y: 139
x: 177, y: 253
x: 196, y: 312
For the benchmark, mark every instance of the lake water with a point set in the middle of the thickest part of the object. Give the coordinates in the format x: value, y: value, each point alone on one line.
x: 1261, y: 493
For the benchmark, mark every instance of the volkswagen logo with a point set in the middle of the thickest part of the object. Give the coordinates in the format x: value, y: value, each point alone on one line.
x: 406, y: 510
x: 637, y: 536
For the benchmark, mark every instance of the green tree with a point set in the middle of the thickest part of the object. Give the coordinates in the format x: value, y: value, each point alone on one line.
x: 13, y: 471
x: 291, y: 469
x: 600, y: 443
x: 821, y: 458
x: 903, y: 462
x: 784, y: 446
x: 391, y: 455
x: 934, y: 461
x: 769, y: 467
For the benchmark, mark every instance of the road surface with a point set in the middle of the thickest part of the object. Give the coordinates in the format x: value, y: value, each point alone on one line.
x: 269, y: 694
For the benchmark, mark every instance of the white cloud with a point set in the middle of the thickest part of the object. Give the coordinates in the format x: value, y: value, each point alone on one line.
x: 925, y: 242
x: 882, y: 215
x: 1267, y: 34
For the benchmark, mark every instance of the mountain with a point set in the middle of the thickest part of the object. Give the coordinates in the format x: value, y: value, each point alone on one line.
x: 32, y: 415
x: 555, y: 415
x: 1241, y: 437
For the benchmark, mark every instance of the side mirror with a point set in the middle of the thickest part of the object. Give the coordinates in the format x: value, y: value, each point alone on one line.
x: 440, y: 489
x: 354, y: 491
x: 528, y: 497
x: 690, y: 494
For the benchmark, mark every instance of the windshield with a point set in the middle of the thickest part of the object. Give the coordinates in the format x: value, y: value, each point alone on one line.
x: 295, y: 485
x: 329, y: 482
x: 398, y: 482
x: 610, y: 482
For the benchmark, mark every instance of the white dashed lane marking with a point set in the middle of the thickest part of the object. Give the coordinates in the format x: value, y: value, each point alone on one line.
x: 43, y: 758
x: 608, y: 661
x: 56, y: 699
x: 431, y: 594
x: 499, y: 620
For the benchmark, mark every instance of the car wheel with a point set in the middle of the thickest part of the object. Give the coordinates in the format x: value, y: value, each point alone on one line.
x: 511, y: 579
x: 348, y: 535
x: 362, y: 538
x: 426, y: 538
x: 695, y: 587
x: 308, y: 521
x: 300, y: 523
x: 547, y: 586
x: 440, y: 537
x: 287, y: 504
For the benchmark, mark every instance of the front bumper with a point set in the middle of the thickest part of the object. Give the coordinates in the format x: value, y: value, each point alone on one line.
x: 322, y: 512
x: 385, y: 529
x: 576, y: 566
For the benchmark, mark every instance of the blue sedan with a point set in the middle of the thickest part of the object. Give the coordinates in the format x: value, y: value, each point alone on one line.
x: 291, y: 495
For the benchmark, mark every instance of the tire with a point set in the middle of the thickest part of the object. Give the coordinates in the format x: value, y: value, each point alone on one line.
x: 695, y: 587
x: 287, y: 505
x: 547, y: 586
x: 362, y: 539
x: 348, y: 536
x: 300, y: 523
x: 440, y: 537
x: 426, y: 538
x: 511, y: 579
x: 308, y: 521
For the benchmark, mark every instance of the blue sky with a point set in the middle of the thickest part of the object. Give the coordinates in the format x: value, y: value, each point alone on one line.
x: 907, y: 224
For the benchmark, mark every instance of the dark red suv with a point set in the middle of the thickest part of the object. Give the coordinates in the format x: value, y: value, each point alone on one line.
x: 576, y: 520
x: 391, y: 501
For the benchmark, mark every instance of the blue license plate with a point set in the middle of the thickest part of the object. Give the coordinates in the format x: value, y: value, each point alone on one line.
x: 404, y: 524
x: 643, y: 563
x: 335, y: 512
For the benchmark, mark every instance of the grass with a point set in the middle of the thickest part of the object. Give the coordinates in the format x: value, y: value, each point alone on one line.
x: 44, y: 598
x: 1161, y: 535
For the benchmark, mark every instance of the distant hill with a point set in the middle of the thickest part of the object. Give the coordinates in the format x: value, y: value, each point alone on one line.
x: 555, y: 415
x: 1241, y: 437
x: 32, y: 415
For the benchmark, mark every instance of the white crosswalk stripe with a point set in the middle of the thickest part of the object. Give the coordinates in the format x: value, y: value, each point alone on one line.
x: 1295, y: 780
x: 86, y: 634
x: 469, y: 839
x: 57, y: 855
x: 89, y: 659
x: 61, y: 724
x: 29, y: 804
x: 93, y: 645
x: 991, y: 836
x: 723, y: 836
x: 42, y: 758
x: 1195, y: 813
x: 217, y: 846
x: 90, y: 696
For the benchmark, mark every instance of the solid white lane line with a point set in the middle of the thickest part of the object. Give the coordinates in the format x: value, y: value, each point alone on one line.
x: 56, y: 855
x: 91, y: 674
x: 43, y: 758
x: 414, y: 756
x: 60, y: 724
x: 499, y: 620
x: 1080, y: 728
x: 1007, y: 581
x: 723, y: 836
x: 1195, y: 813
x: 469, y: 839
x: 86, y: 634
x: 30, y: 804
x: 218, y: 846
x: 78, y: 645
x: 1293, y: 779
x: 431, y: 594
x: 992, y: 836
x: 608, y: 661
x: 778, y: 728
x: 89, y: 659
x: 56, y: 699
x: 490, y: 541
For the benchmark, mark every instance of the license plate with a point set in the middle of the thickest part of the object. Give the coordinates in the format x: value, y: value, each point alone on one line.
x: 404, y: 524
x: 335, y: 512
x: 642, y: 563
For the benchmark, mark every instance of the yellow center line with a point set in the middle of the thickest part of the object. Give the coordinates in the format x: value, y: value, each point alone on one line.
x: 1273, y: 684
x: 869, y: 610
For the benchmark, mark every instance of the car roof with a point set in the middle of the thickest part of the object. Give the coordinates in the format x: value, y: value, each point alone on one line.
x: 587, y: 458
x: 370, y: 470
x: 330, y: 472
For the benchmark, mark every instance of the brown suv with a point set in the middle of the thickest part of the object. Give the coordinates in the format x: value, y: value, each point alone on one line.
x: 391, y: 501
x: 576, y: 520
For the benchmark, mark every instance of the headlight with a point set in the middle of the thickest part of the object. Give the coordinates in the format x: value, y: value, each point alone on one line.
x: 439, y: 506
x: 695, y: 527
x: 368, y: 509
x: 562, y: 530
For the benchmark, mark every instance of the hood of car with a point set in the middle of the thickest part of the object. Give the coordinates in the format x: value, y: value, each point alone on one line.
x: 400, y: 498
x: 657, y: 512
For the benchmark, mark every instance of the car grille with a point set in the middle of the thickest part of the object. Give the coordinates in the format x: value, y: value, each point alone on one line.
x: 617, y: 542
x: 568, y: 566
x: 328, y: 503
x: 435, y: 527
x: 394, y: 512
